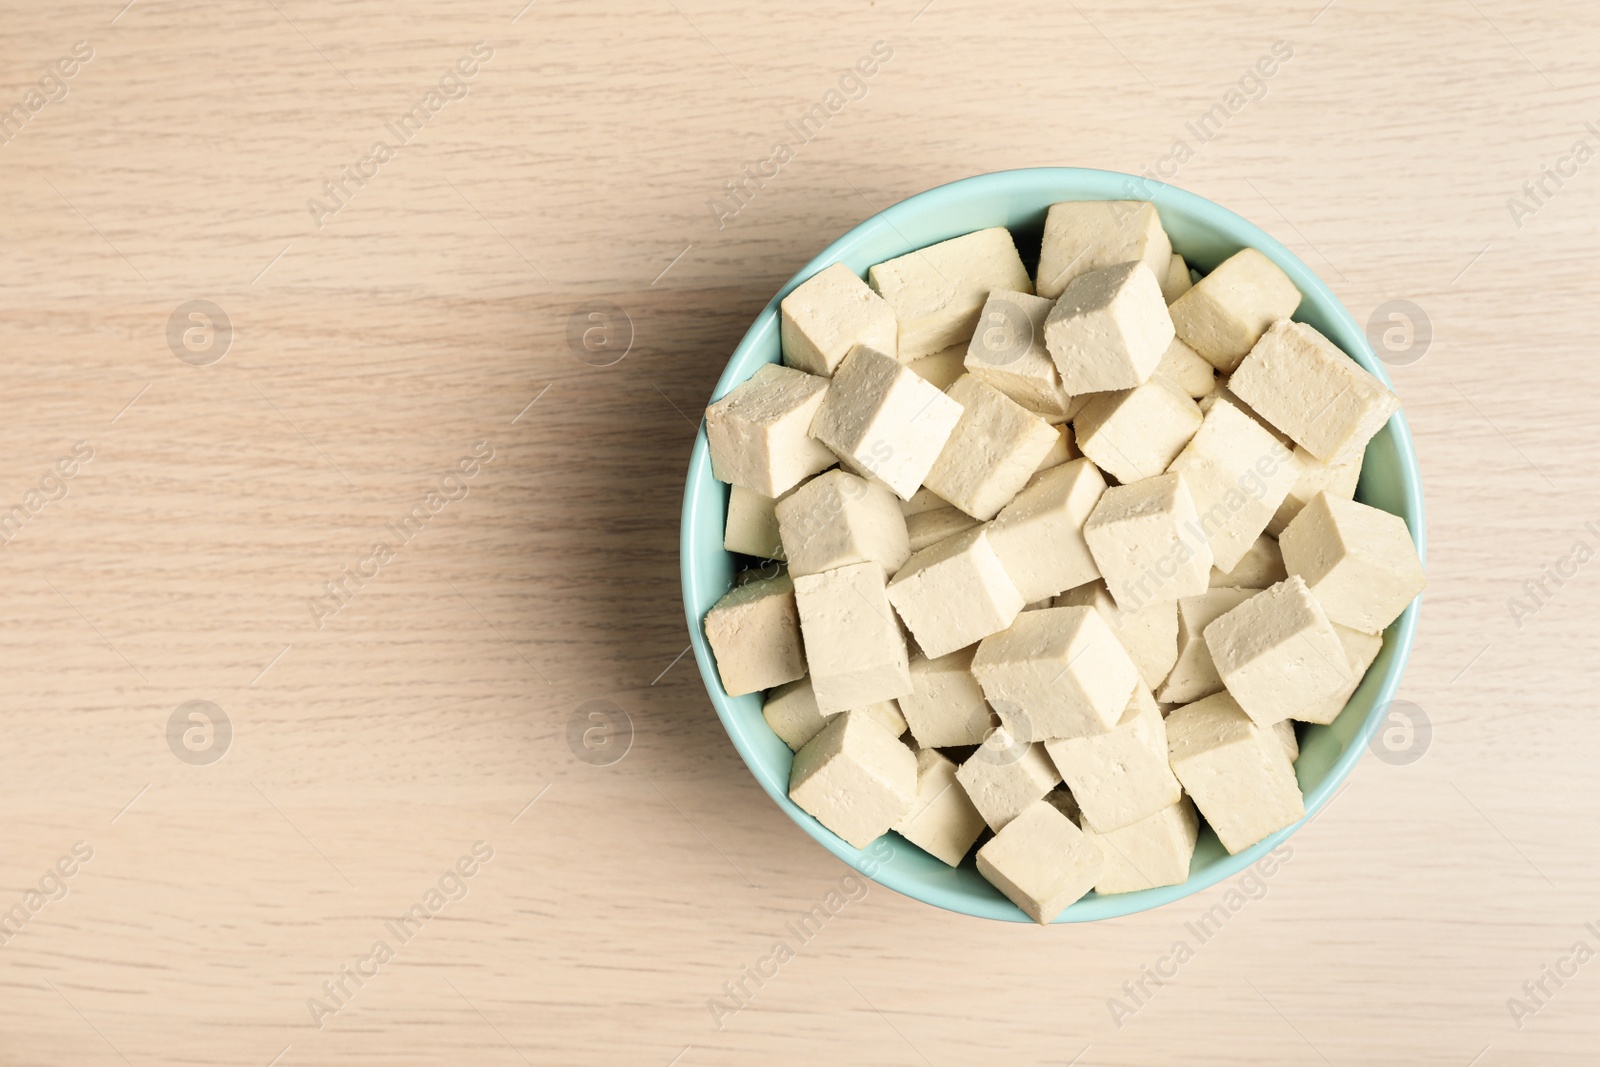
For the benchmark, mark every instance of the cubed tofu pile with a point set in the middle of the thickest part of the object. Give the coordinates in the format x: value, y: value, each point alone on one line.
x: 1066, y: 557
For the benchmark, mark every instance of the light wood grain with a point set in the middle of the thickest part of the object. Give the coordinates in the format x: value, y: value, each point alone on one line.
x: 371, y: 354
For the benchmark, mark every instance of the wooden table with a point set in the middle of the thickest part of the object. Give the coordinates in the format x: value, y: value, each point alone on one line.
x: 380, y: 715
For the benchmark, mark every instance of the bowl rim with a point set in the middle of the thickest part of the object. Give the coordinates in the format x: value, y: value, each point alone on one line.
x: 1400, y: 634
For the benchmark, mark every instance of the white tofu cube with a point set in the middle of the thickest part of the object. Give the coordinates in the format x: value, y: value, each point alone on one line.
x: 1061, y: 449
x: 1147, y: 541
x: 837, y: 519
x: 1176, y: 281
x: 1005, y: 777
x: 1259, y: 567
x: 923, y: 499
x: 1153, y: 852
x: 759, y: 432
x: 1136, y: 433
x: 1315, y: 476
x: 1085, y: 235
x: 945, y: 707
x: 830, y: 313
x: 883, y: 420
x: 942, y: 820
x: 1119, y: 777
x: 1360, y: 650
x: 1228, y: 310
x: 954, y: 593
x: 791, y: 710
x: 926, y: 529
x: 752, y: 526
x: 1109, y: 330
x: 1039, y: 535
x: 1008, y: 352
x: 943, y: 367
x: 1238, y: 474
x: 1277, y: 653
x: 938, y: 291
x: 1306, y: 386
x: 1149, y: 634
x: 1222, y: 392
x: 855, y: 778
x: 1283, y: 730
x: 1056, y: 672
x: 1041, y: 862
x: 995, y: 448
x: 1194, y: 675
x: 1360, y: 562
x: 1236, y: 771
x: 853, y: 644
x: 1183, y: 367
x: 755, y: 636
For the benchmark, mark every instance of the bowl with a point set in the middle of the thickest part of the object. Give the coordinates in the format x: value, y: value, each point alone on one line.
x: 1205, y: 234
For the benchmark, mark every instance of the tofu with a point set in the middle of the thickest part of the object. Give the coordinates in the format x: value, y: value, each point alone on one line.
x: 923, y: 499
x: 1085, y: 235
x: 1061, y: 449
x: 838, y: 518
x: 752, y: 526
x: 1360, y: 650
x: 1147, y: 541
x: 1149, y: 634
x: 1238, y: 474
x: 1259, y: 567
x: 1277, y: 653
x: 1194, y: 675
x: 755, y: 636
x: 855, y: 778
x: 830, y: 313
x: 882, y: 420
x: 1039, y: 535
x: 887, y: 712
x: 1041, y: 862
x: 938, y: 291
x: 1306, y: 386
x: 942, y: 821
x: 946, y: 708
x: 1120, y: 777
x: 853, y: 645
x: 1222, y: 392
x: 928, y: 528
x: 1056, y: 672
x: 1136, y: 433
x: 1183, y: 367
x: 791, y: 710
x: 759, y: 432
x: 1109, y: 329
x: 1176, y: 281
x: 1358, y: 561
x: 1235, y: 770
x: 943, y: 367
x: 1283, y: 730
x: 954, y: 593
x: 1228, y: 310
x: 1313, y: 477
x: 1008, y: 353
x: 996, y: 446
x: 1153, y: 852
x: 1006, y: 776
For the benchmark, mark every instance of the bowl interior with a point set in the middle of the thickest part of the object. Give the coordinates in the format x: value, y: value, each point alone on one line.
x: 1205, y: 234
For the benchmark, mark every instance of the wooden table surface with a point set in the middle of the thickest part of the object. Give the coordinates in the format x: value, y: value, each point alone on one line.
x: 244, y: 348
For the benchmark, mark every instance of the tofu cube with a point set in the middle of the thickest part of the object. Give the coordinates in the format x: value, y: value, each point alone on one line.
x: 837, y: 519
x: 1061, y: 449
x: 995, y: 448
x: 923, y: 499
x: 1041, y: 862
x: 1147, y: 541
x: 855, y: 778
x: 1109, y: 329
x: 1176, y: 281
x: 1360, y: 562
x: 1136, y: 433
x: 1039, y: 535
x: 755, y: 636
x: 942, y: 820
x: 943, y: 367
x: 938, y: 291
x: 1277, y: 653
x: 945, y: 707
x: 1150, y: 633
x: 854, y: 646
x: 1235, y: 770
x: 1360, y: 650
x: 791, y: 710
x: 1056, y: 672
x: 954, y: 593
x: 1005, y: 777
x: 1153, y: 852
x: 1259, y: 567
x: 1283, y: 730
x: 1306, y: 386
x: 1183, y: 367
x: 1194, y: 675
x: 759, y: 432
x: 830, y: 313
x: 928, y: 528
x: 1085, y: 235
x: 1120, y: 777
x: 752, y: 526
x: 1238, y: 474
x: 1008, y: 353
x: 1228, y: 310
x: 883, y: 420
x: 1313, y: 477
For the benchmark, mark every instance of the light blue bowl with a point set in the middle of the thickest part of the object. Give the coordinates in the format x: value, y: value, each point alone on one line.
x: 1205, y: 234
